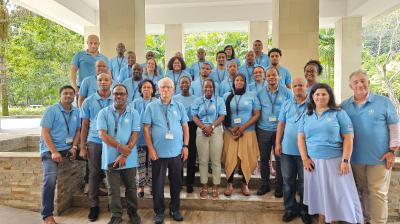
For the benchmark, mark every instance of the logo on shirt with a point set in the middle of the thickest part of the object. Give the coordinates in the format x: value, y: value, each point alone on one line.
x: 280, y: 98
x: 212, y: 107
x: 371, y: 111
x: 246, y: 103
x: 329, y: 119
x: 175, y: 113
x: 126, y: 120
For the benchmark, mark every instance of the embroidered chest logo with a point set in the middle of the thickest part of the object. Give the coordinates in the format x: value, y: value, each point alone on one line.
x: 175, y: 113
x: 126, y: 120
x: 371, y: 111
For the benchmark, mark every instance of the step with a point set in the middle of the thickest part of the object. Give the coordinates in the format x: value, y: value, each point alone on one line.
x: 192, y: 201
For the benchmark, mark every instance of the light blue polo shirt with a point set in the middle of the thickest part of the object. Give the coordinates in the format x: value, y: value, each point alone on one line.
x: 133, y: 88
x: 257, y: 87
x: 152, y: 77
x: 176, y: 116
x: 285, y: 77
x: 159, y: 69
x: 323, y: 134
x: 269, y: 119
x: 226, y: 86
x: 125, y: 73
x: 56, y: 119
x: 129, y: 121
x: 175, y: 78
x: 247, y: 71
x: 196, y: 88
x: 237, y: 60
x: 89, y: 86
x: 85, y: 63
x: 187, y: 102
x: 371, y: 131
x: 196, y: 68
x: 219, y: 75
x: 116, y: 66
x: 290, y: 114
x: 169, y: 73
x: 90, y: 109
x: 139, y: 104
x: 208, y: 110
x: 247, y: 102
x: 263, y: 60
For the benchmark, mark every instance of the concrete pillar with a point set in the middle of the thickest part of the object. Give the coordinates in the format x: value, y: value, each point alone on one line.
x: 118, y: 21
x: 258, y: 30
x: 140, y: 31
x: 173, y: 40
x: 295, y: 30
x: 348, y: 48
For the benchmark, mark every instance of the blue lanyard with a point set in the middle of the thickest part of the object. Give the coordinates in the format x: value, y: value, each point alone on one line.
x: 270, y: 99
x: 165, y: 112
x: 65, y: 120
x: 237, y: 104
x: 116, y: 122
x: 298, y: 113
x: 206, y: 108
x: 176, y: 80
x: 223, y: 76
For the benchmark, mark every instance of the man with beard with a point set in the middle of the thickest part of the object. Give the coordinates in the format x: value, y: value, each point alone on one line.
x: 219, y: 73
x: 132, y: 83
x: 127, y: 70
x: 196, y: 88
x: 59, y: 136
x: 93, y: 149
x: 118, y: 62
x: 118, y: 126
x: 260, y: 57
x: 285, y: 77
x: 196, y: 67
x: 248, y: 67
x: 227, y: 84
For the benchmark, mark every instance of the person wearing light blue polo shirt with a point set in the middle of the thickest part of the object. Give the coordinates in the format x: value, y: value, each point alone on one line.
x: 312, y: 70
x: 285, y: 77
x: 208, y: 112
x: 227, y: 84
x: 376, y: 139
x: 325, y: 137
x: 271, y: 100
x: 286, y: 147
x: 151, y: 55
x: 151, y: 72
x: 195, y: 69
x: 230, y: 55
x: 132, y: 83
x: 167, y: 136
x: 89, y: 85
x: 84, y: 62
x: 248, y: 68
x: 126, y: 71
x: 196, y: 88
x: 118, y: 126
x: 220, y: 73
x: 60, y: 128
x: 260, y: 57
x: 259, y: 80
x: 118, y: 62
x: 90, y: 145
x: 177, y: 67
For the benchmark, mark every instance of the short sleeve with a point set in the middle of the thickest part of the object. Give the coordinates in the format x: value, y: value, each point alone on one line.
x: 147, y: 115
x: 221, y: 106
x: 195, y: 107
x: 391, y: 114
x: 256, y: 102
x: 135, y: 121
x: 346, y: 127
x: 48, y: 118
x: 184, y: 116
x: 284, y: 110
x: 85, y: 109
x: 78, y: 118
x: 84, y: 88
x: 301, y: 124
x: 75, y: 60
x: 288, y: 78
x: 102, y: 120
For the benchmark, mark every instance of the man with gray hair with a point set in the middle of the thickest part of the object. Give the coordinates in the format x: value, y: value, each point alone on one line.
x: 167, y: 137
x: 376, y: 139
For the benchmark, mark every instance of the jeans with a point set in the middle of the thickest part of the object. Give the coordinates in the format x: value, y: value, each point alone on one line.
x: 50, y: 169
x: 292, y: 167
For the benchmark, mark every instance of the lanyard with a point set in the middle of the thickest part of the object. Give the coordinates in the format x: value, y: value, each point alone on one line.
x: 237, y: 104
x: 116, y: 122
x: 165, y: 112
x: 248, y: 73
x: 270, y: 99
x: 223, y: 76
x: 206, y: 108
x: 262, y: 85
x: 259, y: 59
x: 144, y: 104
x: 67, y: 122
x: 135, y: 89
x: 298, y: 113
x: 176, y: 80
x: 120, y: 63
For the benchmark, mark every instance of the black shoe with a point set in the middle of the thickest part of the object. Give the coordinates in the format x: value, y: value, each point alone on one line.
x: 288, y: 216
x: 263, y: 190
x: 305, y: 217
x: 140, y: 194
x: 176, y: 216
x: 134, y: 217
x: 115, y: 220
x: 159, y: 218
x: 93, y: 213
x: 278, y: 193
x: 189, y: 188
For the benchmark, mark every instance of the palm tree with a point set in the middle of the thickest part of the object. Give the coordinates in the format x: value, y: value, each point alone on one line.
x: 327, y: 53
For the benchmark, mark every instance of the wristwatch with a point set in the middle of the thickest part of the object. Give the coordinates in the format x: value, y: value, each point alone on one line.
x: 345, y: 160
x: 213, y: 127
x: 391, y: 151
x: 74, y: 147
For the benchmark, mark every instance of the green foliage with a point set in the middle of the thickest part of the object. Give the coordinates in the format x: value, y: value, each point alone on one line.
x: 156, y: 43
x: 327, y: 54
x: 26, y: 111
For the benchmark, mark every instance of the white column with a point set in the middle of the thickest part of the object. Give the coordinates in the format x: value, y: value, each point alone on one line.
x: 348, y: 48
x: 295, y: 30
x: 140, y: 31
x: 258, y: 30
x: 173, y: 40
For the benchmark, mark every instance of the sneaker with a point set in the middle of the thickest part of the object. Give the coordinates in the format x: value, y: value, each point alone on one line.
x: 305, y: 217
x: 159, y: 218
x: 189, y: 189
x: 263, y: 190
x: 278, y: 193
x: 134, y: 217
x: 94, y: 213
x: 115, y: 220
x: 288, y: 216
x: 176, y: 215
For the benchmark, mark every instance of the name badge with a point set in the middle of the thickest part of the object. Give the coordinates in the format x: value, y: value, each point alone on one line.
x: 237, y: 120
x: 169, y: 135
x: 69, y: 140
x: 272, y: 119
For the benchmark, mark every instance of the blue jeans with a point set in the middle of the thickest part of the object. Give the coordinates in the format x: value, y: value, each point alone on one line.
x: 49, y: 183
x: 292, y: 167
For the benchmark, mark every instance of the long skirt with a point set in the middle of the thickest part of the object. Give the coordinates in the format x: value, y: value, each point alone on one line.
x: 328, y: 192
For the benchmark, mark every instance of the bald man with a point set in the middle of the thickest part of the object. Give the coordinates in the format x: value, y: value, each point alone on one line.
x: 83, y: 62
x: 286, y: 148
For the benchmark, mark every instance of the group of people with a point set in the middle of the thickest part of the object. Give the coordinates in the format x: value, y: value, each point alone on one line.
x: 137, y: 124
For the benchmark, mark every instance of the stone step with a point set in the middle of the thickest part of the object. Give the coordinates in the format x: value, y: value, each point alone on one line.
x: 192, y: 201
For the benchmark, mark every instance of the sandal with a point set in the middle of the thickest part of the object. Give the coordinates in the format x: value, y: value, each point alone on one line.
x: 215, y: 193
x: 229, y: 190
x: 245, y: 190
x: 204, y: 193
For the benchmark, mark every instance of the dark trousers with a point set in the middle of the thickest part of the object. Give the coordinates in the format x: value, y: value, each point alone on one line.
x: 266, y: 143
x: 191, y: 161
x: 94, y: 163
x: 292, y: 167
x: 160, y: 166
